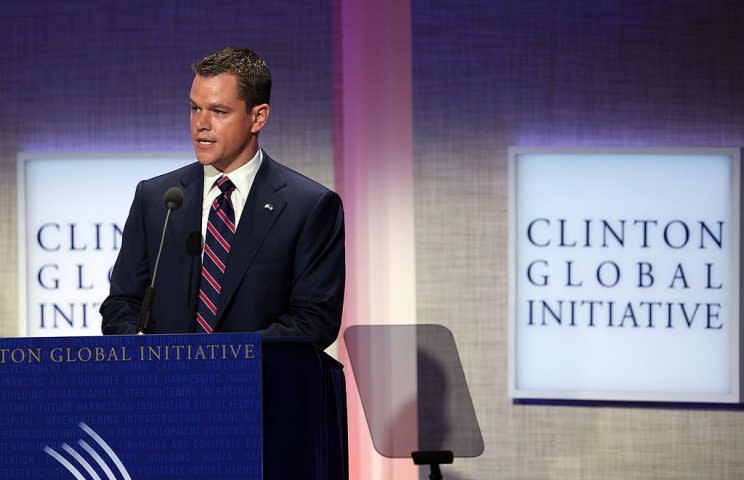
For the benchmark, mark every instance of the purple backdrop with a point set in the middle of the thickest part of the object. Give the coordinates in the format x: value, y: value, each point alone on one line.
x: 115, y: 76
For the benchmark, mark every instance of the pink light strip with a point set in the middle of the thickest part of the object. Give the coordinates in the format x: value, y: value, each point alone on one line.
x: 373, y: 145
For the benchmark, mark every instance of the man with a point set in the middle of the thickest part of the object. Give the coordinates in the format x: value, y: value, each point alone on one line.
x: 255, y: 246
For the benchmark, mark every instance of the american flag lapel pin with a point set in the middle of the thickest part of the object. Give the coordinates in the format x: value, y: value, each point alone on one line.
x: 269, y: 207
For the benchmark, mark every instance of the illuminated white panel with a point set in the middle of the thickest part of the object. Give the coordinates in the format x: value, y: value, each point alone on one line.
x: 71, y: 210
x: 624, y: 274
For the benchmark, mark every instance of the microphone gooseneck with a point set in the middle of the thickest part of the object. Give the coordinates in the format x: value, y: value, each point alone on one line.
x: 172, y: 200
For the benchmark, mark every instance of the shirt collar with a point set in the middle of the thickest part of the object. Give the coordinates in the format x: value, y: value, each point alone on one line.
x: 241, y: 177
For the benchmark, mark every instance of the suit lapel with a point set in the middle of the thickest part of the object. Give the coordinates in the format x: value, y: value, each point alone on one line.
x: 263, y: 207
x: 187, y: 228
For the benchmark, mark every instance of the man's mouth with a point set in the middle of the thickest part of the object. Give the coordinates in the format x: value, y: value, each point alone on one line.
x: 202, y: 141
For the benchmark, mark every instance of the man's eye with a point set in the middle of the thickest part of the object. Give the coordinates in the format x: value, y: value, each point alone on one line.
x: 219, y: 112
x: 194, y: 109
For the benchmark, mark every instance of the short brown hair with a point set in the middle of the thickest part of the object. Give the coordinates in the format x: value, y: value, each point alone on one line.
x: 254, y: 77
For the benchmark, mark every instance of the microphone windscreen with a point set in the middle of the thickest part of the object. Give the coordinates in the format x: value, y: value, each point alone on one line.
x: 173, y: 198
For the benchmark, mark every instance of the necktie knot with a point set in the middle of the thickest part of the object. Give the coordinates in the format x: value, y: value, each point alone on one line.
x: 225, y: 184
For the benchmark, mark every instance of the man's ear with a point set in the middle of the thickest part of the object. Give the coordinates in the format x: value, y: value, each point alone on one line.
x: 260, y: 115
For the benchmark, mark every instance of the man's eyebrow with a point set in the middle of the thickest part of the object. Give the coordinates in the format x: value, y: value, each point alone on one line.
x: 219, y: 106
x: 212, y: 105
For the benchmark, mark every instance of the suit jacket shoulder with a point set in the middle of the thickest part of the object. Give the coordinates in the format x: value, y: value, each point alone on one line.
x: 280, y: 175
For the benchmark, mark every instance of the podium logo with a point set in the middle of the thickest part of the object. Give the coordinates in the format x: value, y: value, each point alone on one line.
x: 85, y: 463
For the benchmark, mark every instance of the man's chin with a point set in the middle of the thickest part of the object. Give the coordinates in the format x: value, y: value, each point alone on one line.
x: 205, y: 160
x: 219, y: 164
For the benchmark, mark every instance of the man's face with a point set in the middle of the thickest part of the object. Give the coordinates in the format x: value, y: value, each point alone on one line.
x: 221, y: 130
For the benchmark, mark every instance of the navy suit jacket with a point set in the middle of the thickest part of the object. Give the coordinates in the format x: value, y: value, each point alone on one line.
x: 285, y: 274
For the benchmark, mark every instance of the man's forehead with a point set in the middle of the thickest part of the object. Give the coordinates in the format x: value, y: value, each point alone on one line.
x: 218, y: 88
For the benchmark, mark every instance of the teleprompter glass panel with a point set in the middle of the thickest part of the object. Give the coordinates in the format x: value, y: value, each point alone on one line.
x: 413, y: 389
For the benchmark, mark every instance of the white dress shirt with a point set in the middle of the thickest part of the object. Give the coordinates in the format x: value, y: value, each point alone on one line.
x: 242, y: 178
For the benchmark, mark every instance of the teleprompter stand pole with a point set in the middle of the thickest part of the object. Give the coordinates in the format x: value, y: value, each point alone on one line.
x: 433, y: 459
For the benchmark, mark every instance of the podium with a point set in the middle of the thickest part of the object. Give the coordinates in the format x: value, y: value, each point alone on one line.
x: 170, y: 406
x: 304, y: 401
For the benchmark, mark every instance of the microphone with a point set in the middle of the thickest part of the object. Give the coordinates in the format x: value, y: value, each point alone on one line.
x: 172, y: 200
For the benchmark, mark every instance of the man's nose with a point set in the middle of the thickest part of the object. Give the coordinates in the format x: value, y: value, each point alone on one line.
x: 201, y: 121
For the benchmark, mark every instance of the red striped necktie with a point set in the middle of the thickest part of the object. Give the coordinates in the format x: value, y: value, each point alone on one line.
x: 220, y: 232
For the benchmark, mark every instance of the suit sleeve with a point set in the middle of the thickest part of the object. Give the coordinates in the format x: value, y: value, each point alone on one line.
x: 317, y: 293
x: 130, y: 275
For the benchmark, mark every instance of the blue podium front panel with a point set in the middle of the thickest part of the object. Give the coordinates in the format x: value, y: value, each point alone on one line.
x: 139, y: 407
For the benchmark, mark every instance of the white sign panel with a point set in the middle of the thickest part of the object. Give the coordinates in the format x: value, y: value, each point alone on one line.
x: 624, y: 273
x: 71, y: 211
